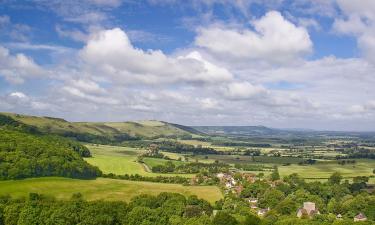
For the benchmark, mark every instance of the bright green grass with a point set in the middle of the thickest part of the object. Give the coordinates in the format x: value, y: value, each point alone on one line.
x: 324, y: 170
x: 121, y: 160
x: 101, y: 188
x: 151, y: 162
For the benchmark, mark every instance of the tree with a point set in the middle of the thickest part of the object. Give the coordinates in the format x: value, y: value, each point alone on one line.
x: 335, y: 178
x: 275, y: 174
x: 223, y: 218
x: 251, y: 219
x: 271, y: 198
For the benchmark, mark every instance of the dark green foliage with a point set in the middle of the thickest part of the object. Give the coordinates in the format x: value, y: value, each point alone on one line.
x: 223, y: 218
x: 194, y: 167
x: 25, y: 155
x: 251, y: 220
x: 155, y: 210
x: 176, y: 147
x: 158, y: 179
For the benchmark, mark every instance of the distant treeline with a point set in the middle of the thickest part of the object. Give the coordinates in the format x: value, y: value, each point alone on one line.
x: 176, y: 147
x: 357, y: 154
x: 242, y: 144
x: 158, y: 179
x: 194, y: 167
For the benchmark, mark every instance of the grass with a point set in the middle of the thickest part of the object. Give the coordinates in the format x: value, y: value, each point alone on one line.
x: 151, y: 162
x: 325, y: 169
x: 101, y: 188
x: 121, y: 160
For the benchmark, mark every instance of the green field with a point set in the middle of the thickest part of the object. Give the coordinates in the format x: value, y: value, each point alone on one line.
x: 325, y: 169
x: 151, y: 162
x: 101, y: 188
x: 121, y: 160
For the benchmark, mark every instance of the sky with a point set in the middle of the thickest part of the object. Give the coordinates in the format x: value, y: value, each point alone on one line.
x: 278, y: 63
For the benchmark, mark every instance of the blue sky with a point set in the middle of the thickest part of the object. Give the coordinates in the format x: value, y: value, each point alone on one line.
x: 279, y: 63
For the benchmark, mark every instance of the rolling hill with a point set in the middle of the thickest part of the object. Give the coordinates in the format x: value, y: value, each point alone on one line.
x: 105, y: 132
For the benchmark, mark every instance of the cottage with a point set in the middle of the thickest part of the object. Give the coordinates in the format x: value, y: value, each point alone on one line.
x: 339, y: 216
x: 308, y: 209
x: 360, y: 217
x: 220, y: 175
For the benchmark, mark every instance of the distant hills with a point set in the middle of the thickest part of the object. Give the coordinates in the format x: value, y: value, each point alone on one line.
x: 105, y: 132
x: 117, y: 132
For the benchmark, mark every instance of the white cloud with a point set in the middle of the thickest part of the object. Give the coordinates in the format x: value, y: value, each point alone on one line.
x: 274, y: 40
x: 110, y: 53
x: 18, y: 95
x: 243, y: 90
x: 16, y: 68
x: 358, y: 20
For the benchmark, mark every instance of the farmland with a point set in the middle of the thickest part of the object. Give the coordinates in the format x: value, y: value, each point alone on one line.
x: 101, y: 188
x: 121, y: 160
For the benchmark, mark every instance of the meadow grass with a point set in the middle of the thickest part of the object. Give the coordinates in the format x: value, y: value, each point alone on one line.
x: 326, y: 169
x: 121, y: 160
x: 101, y: 188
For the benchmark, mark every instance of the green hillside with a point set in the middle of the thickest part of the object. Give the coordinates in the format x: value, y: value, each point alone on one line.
x: 25, y: 152
x: 105, y: 132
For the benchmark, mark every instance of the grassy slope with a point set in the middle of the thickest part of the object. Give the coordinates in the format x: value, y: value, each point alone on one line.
x: 102, y: 188
x: 141, y: 128
x: 120, y: 160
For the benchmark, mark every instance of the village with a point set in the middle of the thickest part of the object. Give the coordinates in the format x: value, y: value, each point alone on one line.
x: 232, y: 183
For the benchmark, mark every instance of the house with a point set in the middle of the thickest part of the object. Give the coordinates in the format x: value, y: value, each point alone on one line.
x: 238, y: 189
x: 308, y: 209
x: 262, y: 212
x: 360, y: 217
x: 220, y: 175
x: 339, y: 216
x: 253, y: 200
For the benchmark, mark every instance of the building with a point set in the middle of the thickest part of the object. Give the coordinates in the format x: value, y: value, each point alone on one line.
x: 339, y: 216
x: 262, y: 212
x: 308, y: 209
x: 360, y: 217
x: 253, y: 200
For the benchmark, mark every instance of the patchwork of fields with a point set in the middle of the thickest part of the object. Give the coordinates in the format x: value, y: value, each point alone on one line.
x: 121, y: 160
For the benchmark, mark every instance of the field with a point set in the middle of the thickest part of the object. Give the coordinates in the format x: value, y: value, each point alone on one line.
x: 151, y: 162
x: 121, y: 160
x: 101, y: 188
x: 325, y: 169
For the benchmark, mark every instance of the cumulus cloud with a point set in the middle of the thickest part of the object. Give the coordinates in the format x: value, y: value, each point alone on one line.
x: 110, y: 52
x: 243, y: 90
x: 274, y: 39
x: 358, y: 20
x: 16, y: 68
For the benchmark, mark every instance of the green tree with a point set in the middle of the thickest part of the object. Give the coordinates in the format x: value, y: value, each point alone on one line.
x: 251, y: 219
x: 335, y: 178
x: 275, y: 174
x: 223, y: 218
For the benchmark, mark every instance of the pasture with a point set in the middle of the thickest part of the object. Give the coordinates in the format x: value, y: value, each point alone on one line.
x: 121, y: 160
x: 101, y: 188
x: 325, y: 169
